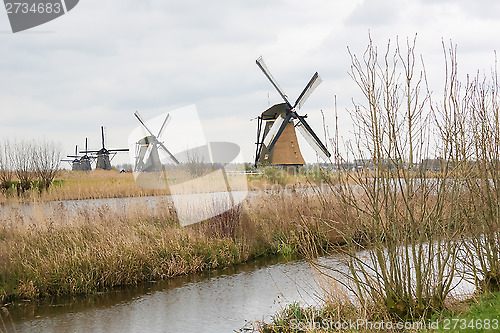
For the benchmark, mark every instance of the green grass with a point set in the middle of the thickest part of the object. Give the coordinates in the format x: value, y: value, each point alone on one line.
x: 477, y: 313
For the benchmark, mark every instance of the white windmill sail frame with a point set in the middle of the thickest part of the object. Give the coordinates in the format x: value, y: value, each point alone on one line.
x: 184, y: 131
x: 220, y: 186
x: 309, y: 91
x: 273, y: 131
x: 311, y: 141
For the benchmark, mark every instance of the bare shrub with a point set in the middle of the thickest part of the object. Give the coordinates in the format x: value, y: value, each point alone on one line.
x: 46, y: 161
x: 6, y: 169
x: 402, y: 251
x: 22, y: 156
x: 481, y: 146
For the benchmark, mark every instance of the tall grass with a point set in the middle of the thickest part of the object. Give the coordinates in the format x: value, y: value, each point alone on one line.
x: 59, y: 253
x: 79, y: 185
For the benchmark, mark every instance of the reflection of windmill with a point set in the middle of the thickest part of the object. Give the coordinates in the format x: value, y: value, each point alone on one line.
x: 277, y: 141
x: 147, y: 156
x: 103, y: 154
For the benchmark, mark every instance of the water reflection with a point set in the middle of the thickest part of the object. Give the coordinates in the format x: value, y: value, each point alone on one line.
x: 220, y: 301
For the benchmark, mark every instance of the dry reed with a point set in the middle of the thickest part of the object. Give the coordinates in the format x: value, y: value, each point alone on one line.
x: 60, y: 252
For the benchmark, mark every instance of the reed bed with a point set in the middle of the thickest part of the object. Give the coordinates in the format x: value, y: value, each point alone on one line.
x: 99, y: 184
x: 59, y: 252
x: 78, y: 185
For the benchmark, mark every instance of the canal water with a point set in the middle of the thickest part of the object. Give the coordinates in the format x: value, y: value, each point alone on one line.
x: 220, y: 301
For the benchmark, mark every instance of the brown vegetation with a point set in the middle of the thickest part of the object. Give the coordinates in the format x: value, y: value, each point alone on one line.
x: 60, y: 253
x: 412, y: 237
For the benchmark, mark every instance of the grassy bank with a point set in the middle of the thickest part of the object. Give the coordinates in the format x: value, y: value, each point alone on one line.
x: 97, y: 184
x: 477, y: 314
x: 102, y: 248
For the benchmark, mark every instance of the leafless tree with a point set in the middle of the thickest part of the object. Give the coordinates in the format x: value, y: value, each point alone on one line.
x: 6, y: 171
x: 22, y: 156
x: 46, y: 161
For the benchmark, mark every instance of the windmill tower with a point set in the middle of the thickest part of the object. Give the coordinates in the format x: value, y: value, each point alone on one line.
x: 276, y: 129
x: 75, y: 160
x: 147, y: 154
x: 103, y: 155
x: 81, y: 163
x: 85, y: 160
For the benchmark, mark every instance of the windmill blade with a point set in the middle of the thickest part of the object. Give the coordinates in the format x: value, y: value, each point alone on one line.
x: 262, y: 65
x: 308, y: 90
x: 273, y: 131
x: 165, y: 123
x: 281, y: 129
x: 147, y: 154
x: 168, y: 152
x: 260, y: 142
x: 115, y: 150
x: 138, y: 116
x: 102, y: 134
x: 306, y: 131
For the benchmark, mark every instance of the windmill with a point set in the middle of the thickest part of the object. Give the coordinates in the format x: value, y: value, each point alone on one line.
x: 103, y: 154
x: 277, y: 139
x: 80, y: 163
x: 147, y: 154
x: 75, y: 161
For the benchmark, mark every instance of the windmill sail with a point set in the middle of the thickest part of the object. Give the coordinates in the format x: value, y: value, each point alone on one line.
x: 273, y: 131
x: 152, y: 143
x: 313, y: 141
x: 262, y: 65
x: 165, y: 123
x: 308, y: 90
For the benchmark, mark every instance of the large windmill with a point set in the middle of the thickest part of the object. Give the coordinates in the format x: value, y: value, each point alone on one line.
x: 276, y: 138
x: 147, y: 149
x: 104, y: 155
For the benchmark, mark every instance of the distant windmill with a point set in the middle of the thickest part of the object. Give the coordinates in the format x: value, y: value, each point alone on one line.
x: 103, y: 155
x: 277, y: 141
x: 80, y: 163
x: 75, y: 160
x: 147, y: 156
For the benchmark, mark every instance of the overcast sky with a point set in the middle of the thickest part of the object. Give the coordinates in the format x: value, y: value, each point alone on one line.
x: 103, y: 60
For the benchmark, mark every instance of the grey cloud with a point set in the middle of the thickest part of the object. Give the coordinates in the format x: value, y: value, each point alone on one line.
x: 373, y: 13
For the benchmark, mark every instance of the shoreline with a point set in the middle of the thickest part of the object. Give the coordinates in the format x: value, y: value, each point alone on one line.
x: 101, y: 249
